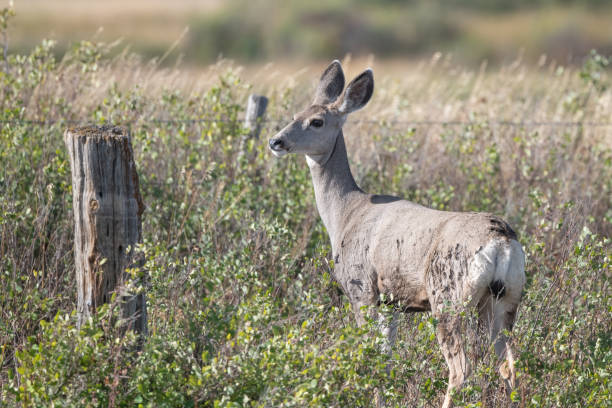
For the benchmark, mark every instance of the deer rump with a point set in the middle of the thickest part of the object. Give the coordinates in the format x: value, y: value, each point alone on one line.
x: 420, y: 257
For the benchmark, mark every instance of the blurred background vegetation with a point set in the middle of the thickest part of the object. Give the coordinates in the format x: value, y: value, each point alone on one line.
x: 199, y: 32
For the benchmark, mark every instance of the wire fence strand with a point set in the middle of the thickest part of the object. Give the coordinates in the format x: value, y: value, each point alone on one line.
x: 382, y: 122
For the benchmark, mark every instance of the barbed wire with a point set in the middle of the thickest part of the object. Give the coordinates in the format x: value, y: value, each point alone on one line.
x: 382, y: 122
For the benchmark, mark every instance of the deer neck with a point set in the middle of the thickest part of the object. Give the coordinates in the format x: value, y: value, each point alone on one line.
x: 335, y: 189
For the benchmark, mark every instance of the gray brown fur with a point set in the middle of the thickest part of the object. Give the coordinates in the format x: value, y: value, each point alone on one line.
x: 420, y: 259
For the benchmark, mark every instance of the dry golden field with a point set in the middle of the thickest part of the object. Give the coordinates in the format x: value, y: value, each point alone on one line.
x: 201, y: 31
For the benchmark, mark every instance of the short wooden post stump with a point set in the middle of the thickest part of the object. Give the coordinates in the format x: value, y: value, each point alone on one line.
x: 107, y: 216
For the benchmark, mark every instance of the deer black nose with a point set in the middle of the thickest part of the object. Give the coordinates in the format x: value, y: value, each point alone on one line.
x: 276, y: 144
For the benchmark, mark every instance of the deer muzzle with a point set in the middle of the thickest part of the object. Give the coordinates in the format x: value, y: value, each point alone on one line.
x: 278, y: 146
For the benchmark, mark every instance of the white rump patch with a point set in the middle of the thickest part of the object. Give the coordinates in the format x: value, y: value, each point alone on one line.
x: 514, y: 277
x: 498, y: 260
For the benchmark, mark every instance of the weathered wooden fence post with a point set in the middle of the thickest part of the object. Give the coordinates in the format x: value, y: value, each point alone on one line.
x: 107, y: 210
x: 256, y: 108
x: 255, y: 111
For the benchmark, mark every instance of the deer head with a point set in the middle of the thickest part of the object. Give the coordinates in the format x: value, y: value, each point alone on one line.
x: 313, y: 131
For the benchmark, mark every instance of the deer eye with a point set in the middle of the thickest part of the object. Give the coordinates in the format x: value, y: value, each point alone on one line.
x: 316, y: 123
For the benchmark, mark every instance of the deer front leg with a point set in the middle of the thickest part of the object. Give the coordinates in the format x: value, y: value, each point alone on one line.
x: 387, y: 323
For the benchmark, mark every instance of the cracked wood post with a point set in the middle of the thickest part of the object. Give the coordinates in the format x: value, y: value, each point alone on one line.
x: 107, y: 216
x: 255, y: 111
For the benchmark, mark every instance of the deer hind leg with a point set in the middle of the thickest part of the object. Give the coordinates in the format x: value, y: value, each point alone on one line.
x: 498, y: 308
x: 497, y: 316
x: 450, y: 338
x: 450, y: 299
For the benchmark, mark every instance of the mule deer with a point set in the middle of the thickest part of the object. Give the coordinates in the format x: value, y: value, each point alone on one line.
x: 420, y: 259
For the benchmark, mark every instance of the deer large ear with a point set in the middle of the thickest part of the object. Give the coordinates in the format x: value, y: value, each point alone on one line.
x: 357, y: 93
x: 330, y: 85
